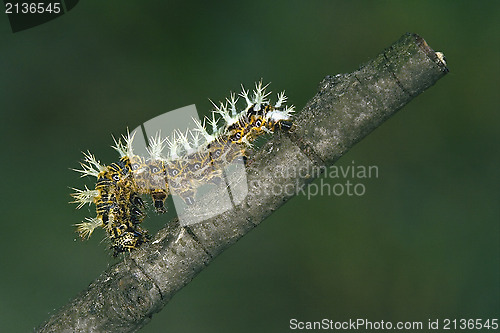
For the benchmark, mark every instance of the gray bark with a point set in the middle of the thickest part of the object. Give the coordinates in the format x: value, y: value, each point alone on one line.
x: 346, y: 108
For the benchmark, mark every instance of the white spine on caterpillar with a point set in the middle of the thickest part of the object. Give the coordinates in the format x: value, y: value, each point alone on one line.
x: 83, y: 197
x: 276, y: 116
x: 173, y: 146
x: 232, y: 103
x: 125, y: 149
x: 156, y: 146
x: 85, y: 229
x: 201, y: 128
x: 259, y: 95
x: 223, y: 111
x: 184, y: 141
x: 92, y: 168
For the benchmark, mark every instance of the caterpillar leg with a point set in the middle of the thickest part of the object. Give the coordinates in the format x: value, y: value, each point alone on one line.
x: 159, y: 197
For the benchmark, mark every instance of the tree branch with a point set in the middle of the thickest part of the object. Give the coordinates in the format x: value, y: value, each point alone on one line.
x: 346, y: 109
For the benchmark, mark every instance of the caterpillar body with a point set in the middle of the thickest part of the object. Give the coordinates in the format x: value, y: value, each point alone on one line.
x: 193, y: 158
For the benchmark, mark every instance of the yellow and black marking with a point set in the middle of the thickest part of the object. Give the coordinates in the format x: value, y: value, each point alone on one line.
x: 120, y: 209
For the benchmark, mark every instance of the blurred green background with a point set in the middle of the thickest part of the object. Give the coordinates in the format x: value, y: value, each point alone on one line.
x: 423, y: 242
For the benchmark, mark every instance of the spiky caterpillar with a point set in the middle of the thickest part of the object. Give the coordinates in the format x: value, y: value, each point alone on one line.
x: 194, y: 158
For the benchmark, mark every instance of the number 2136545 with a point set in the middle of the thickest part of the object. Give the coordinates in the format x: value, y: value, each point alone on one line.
x: 32, y: 8
x: 470, y: 324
